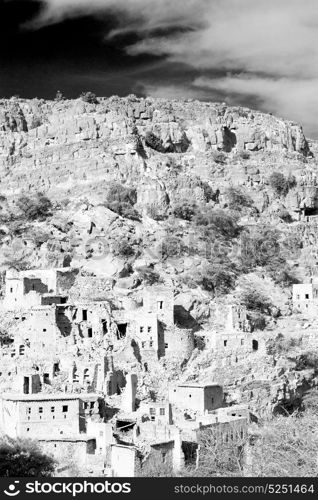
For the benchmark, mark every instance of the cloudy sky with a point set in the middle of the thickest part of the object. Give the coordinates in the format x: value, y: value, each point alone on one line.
x: 259, y: 54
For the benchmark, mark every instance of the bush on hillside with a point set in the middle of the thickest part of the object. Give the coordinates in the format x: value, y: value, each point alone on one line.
x: 121, y: 200
x: 217, y: 222
x: 172, y: 246
x: 238, y: 199
x: 281, y: 184
x: 185, y: 210
x: 255, y: 299
x: 23, y: 458
x: 34, y: 207
x: 260, y: 248
x: 123, y: 248
x: 89, y: 97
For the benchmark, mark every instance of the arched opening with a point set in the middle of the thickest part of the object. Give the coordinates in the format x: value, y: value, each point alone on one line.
x: 255, y: 345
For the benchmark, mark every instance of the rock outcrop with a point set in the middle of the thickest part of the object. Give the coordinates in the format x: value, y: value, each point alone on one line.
x: 72, y: 145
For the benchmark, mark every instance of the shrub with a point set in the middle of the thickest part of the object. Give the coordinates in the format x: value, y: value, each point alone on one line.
x: 219, y: 277
x: 281, y: 345
x: 172, y: 246
x: 217, y: 457
x: 285, y: 446
x: 89, y: 97
x: 121, y: 200
x: 284, y: 276
x: 218, y: 222
x: 59, y: 96
x: 122, y: 194
x: 23, y: 458
x: 155, y: 213
x: 281, y: 184
x: 307, y: 360
x: 237, y: 199
x: 208, y: 192
x: 255, y: 300
x: 310, y: 400
x: 125, y: 210
x: 123, y: 248
x: 260, y: 247
x: 36, y: 207
x: 185, y: 210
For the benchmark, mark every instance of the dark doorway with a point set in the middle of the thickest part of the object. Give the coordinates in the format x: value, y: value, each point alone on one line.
x: 190, y: 452
x: 255, y: 345
x: 26, y: 385
x: 121, y: 330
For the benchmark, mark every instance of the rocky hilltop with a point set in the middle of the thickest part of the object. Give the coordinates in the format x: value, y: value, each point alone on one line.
x: 60, y: 146
x: 140, y: 190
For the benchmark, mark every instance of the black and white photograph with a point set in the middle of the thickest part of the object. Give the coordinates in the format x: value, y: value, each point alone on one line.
x: 158, y: 244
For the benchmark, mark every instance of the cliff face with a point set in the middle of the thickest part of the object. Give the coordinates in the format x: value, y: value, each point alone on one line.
x: 169, y: 151
x: 73, y: 145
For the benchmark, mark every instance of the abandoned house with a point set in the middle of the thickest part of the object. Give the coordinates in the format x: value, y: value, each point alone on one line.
x: 197, y: 398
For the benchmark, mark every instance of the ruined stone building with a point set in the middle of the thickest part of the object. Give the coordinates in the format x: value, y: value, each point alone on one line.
x: 32, y: 288
x: 42, y: 415
x: 305, y: 297
x: 197, y: 398
x: 59, y: 371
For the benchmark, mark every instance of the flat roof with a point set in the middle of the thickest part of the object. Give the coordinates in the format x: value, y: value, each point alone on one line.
x: 77, y: 438
x: 199, y: 386
x: 47, y: 397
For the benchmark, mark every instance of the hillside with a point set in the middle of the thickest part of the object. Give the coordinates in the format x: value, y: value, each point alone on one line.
x: 218, y: 201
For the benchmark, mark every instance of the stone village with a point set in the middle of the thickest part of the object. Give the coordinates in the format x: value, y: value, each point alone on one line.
x: 71, y: 373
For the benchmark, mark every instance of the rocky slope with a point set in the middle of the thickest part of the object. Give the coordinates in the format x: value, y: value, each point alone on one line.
x: 168, y: 152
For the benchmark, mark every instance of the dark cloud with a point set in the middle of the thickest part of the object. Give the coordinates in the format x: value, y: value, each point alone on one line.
x: 245, y: 52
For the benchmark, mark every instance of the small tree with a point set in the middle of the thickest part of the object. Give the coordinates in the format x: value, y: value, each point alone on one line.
x: 217, y: 222
x: 121, y: 200
x: 255, y: 300
x: 260, y: 247
x: 23, y: 458
x: 172, y: 246
x: 89, y: 97
x: 59, y: 96
x: 238, y: 199
x: 185, y: 210
x: 123, y: 248
x: 281, y: 184
x: 219, y: 277
x: 36, y: 207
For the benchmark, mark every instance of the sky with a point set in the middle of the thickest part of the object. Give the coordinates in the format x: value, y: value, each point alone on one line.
x: 263, y: 55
